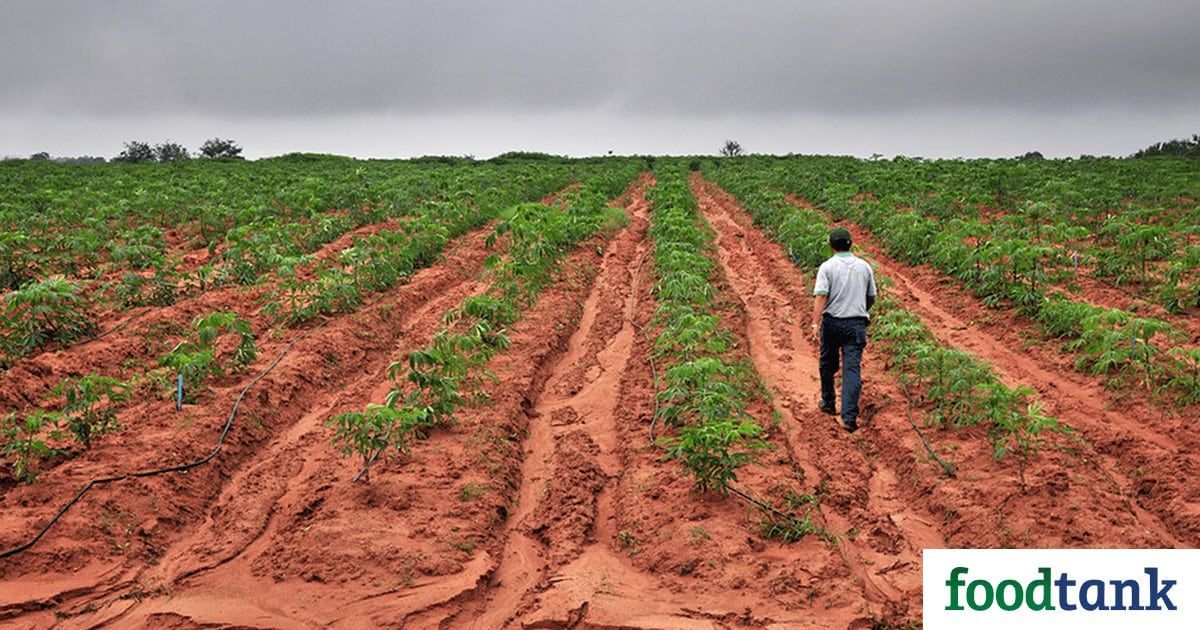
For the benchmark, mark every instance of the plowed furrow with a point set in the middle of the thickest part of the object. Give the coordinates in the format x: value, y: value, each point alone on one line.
x: 862, y: 494
x: 570, y: 452
x: 139, y: 334
x: 278, y: 433
x: 1143, y: 454
x: 263, y: 502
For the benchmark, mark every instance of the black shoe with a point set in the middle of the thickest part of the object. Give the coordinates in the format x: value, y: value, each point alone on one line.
x: 827, y: 407
x: 849, y: 425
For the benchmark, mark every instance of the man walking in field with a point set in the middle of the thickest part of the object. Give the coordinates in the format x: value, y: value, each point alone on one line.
x: 845, y: 292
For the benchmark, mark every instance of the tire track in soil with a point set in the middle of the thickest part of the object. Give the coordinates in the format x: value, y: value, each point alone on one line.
x: 1148, y: 462
x: 862, y: 495
x: 411, y: 307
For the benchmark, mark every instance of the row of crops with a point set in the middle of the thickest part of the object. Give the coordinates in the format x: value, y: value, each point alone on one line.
x: 1132, y: 224
x: 934, y: 213
x: 432, y: 383
x: 955, y: 388
x: 80, y: 409
x: 81, y: 242
x: 86, y: 239
x: 702, y: 394
x: 705, y: 386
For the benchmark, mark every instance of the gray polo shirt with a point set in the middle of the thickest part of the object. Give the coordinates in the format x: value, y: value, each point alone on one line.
x: 847, y: 280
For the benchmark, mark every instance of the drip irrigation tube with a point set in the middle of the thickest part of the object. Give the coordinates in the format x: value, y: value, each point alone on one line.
x: 99, y: 481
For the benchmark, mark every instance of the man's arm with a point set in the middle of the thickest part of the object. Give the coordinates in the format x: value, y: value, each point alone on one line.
x: 871, y: 290
x: 819, y: 302
x: 820, y: 299
x: 814, y: 331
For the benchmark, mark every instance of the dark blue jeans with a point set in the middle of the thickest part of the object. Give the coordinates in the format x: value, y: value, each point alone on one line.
x: 850, y: 337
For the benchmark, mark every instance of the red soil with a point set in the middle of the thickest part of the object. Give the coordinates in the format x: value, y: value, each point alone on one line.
x: 132, y: 341
x: 1139, y: 450
x: 548, y: 506
x: 110, y: 540
x: 1138, y: 300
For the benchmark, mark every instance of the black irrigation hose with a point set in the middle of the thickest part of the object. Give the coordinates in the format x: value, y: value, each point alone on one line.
x: 167, y: 469
x: 945, y: 467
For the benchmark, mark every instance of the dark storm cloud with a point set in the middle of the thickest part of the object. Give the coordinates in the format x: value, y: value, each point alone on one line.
x: 313, y: 58
x: 942, y: 77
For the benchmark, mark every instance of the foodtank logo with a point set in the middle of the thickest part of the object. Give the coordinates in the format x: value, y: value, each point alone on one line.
x: 1061, y: 588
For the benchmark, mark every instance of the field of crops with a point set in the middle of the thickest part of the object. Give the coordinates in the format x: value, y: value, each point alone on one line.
x: 317, y: 391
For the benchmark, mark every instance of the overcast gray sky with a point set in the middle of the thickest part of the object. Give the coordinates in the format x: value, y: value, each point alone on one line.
x: 396, y: 79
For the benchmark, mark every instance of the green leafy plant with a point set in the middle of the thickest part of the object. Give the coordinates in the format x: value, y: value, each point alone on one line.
x: 366, y: 433
x: 702, y: 391
x: 1021, y: 431
x: 712, y: 452
x: 23, y: 442
x: 45, y: 311
x: 199, y: 360
x: 91, y: 403
x: 158, y: 288
x: 790, y: 529
x: 16, y: 260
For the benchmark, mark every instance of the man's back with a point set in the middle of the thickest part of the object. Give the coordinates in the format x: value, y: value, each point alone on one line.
x: 847, y: 280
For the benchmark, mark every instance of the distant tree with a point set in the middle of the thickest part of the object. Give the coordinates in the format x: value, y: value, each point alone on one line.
x: 1188, y: 147
x: 522, y: 156
x: 218, y: 148
x: 171, y: 152
x: 40, y: 156
x: 732, y: 148
x: 136, y: 151
x: 1033, y: 155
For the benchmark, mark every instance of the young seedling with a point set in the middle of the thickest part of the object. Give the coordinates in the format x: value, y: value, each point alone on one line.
x: 198, y: 360
x: 91, y: 403
x: 23, y: 442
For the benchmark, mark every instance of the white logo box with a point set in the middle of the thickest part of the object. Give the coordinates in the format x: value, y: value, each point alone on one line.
x: 1174, y: 576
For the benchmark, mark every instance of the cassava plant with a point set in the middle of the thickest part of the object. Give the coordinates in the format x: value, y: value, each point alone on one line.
x: 198, y: 360
x: 90, y: 407
x: 42, y: 312
x: 24, y: 442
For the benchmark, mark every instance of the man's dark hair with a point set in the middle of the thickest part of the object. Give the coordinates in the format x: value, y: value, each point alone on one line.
x: 839, y: 239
